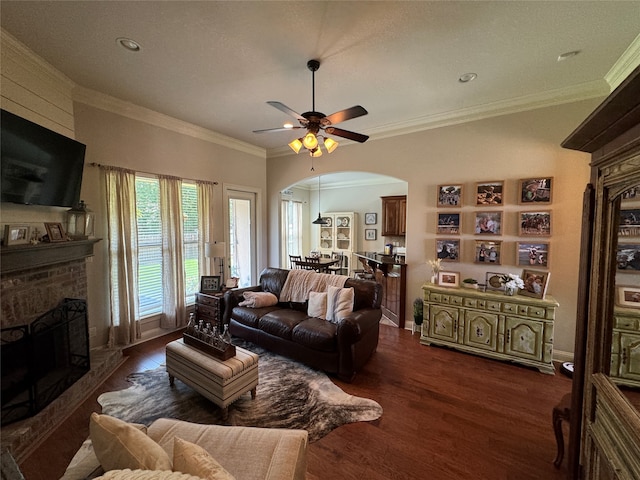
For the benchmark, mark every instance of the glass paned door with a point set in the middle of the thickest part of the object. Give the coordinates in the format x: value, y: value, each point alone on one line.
x: 242, y: 237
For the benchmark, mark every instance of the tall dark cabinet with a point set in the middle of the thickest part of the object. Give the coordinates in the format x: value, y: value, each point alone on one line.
x: 604, y: 435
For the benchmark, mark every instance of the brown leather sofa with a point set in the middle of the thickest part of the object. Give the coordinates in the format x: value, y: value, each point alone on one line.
x: 340, y: 348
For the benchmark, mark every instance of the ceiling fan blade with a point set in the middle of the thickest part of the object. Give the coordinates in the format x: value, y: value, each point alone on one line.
x: 281, y: 129
x: 344, y: 115
x: 283, y: 108
x: 358, y: 137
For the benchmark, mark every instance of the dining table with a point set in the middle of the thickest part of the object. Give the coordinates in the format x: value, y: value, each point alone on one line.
x: 322, y: 266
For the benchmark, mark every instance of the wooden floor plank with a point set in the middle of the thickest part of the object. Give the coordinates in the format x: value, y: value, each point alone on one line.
x: 447, y: 415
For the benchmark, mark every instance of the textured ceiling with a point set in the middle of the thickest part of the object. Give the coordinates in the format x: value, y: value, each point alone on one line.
x: 215, y: 64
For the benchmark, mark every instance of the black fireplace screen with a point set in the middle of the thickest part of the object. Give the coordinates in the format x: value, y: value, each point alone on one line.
x: 41, y: 360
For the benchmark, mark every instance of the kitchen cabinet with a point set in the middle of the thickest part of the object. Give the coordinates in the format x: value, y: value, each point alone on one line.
x: 514, y: 328
x: 339, y: 234
x: 391, y: 273
x: 394, y: 215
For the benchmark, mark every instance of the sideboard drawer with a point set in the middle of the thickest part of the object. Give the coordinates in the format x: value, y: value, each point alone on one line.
x: 509, y: 308
x: 493, y: 306
x: 537, y: 312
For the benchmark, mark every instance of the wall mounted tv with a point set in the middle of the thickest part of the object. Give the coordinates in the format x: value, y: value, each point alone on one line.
x: 38, y: 166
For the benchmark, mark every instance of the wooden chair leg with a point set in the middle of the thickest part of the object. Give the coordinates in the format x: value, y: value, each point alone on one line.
x: 561, y: 412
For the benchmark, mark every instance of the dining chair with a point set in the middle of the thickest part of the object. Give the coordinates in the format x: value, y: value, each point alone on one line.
x: 294, y: 259
x: 312, y: 260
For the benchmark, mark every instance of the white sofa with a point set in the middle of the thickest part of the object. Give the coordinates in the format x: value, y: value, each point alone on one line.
x: 247, y: 453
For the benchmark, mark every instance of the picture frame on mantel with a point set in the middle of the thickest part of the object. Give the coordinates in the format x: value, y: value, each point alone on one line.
x: 55, y: 231
x: 16, y: 235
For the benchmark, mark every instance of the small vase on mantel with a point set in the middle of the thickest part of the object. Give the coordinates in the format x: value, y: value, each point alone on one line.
x: 434, y: 279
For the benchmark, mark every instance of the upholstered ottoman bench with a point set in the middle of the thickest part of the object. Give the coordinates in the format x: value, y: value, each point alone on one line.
x: 221, y: 381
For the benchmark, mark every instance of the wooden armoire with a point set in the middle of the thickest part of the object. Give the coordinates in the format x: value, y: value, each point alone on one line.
x: 604, y: 438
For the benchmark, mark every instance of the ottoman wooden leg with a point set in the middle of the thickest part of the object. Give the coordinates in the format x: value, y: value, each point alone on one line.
x: 225, y: 413
x: 171, y: 380
x: 253, y: 393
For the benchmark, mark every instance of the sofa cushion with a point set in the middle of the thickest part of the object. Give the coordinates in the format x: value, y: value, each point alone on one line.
x: 120, y: 445
x: 247, y: 453
x: 317, y: 304
x: 317, y: 334
x: 339, y: 303
x: 195, y: 460
x: 280, y: 323
x: 250, y: 316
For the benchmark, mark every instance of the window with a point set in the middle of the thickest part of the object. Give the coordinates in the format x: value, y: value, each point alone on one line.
x: 150, y: 243
x: 291, y: 213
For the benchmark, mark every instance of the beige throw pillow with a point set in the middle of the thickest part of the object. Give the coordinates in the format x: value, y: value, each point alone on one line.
x: 339, y: 303
x: 195, y: 460
x: 317, y: 305
x: 119, y: 445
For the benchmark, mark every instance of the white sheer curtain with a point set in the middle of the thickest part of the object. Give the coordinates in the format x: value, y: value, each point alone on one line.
x: 174, y: 313
x: 205, y: 221
x: 291, y: 234
x: 120, y: 194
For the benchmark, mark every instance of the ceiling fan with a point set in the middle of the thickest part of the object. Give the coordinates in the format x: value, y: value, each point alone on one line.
x: 316, y: 122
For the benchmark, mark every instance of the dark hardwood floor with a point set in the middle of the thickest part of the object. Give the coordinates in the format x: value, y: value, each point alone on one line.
x: 447, y: 415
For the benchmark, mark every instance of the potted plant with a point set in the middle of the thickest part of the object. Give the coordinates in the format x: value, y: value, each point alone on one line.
x: 417, y: 311
x: 470, y: 283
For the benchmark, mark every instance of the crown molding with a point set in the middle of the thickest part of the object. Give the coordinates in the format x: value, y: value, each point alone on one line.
x: 584, y: 91
x: 626, y: 64
x: 135, y: 112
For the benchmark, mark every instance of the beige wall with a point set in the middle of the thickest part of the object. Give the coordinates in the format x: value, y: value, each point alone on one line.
x: 506, y: 148
x: 501, y: 148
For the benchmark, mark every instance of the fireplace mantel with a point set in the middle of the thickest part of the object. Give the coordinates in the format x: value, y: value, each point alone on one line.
x: 24, y: 257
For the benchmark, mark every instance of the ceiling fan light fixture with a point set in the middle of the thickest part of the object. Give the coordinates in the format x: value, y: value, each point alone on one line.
x: 296, y: 145
x: 310, y: 141
x: 316, y: 152
x: 330, y: 144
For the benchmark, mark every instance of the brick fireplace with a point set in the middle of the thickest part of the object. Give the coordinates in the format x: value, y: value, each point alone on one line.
x: 33, y: 281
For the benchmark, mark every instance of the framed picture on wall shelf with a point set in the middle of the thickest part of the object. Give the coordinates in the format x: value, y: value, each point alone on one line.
x: 535, y: 283
x: 448, y: 249
x: 533, y: 254
x: 448, y: 223
x: 534, y: 224
x: 628, y: 257
x: 370, y: 218
x: 488, y: 223
x: 628, y: 296
x: 629, y: 224
x: 488, y: 252
x: 370, y: 234
x: 490, y: 194
x: 534, y: 191
x: 449, y: 196
x: 449, y: 279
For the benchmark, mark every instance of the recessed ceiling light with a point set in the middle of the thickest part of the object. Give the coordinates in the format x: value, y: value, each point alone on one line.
x: 467, y: 77
x: 129, y: 44
x: 567, y: 55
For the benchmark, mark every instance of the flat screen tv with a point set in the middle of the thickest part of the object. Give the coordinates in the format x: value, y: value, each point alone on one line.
x: 38, y: 166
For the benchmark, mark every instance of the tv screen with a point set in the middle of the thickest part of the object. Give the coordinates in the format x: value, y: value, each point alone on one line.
x: 38, y: 166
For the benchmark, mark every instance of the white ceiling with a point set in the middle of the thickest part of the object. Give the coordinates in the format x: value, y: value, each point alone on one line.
x: 215, y: 64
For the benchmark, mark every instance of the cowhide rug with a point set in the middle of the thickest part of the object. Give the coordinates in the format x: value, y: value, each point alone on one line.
x: 289, y: 395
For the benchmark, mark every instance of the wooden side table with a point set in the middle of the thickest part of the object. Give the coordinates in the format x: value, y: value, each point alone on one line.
x: 209, y: 308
